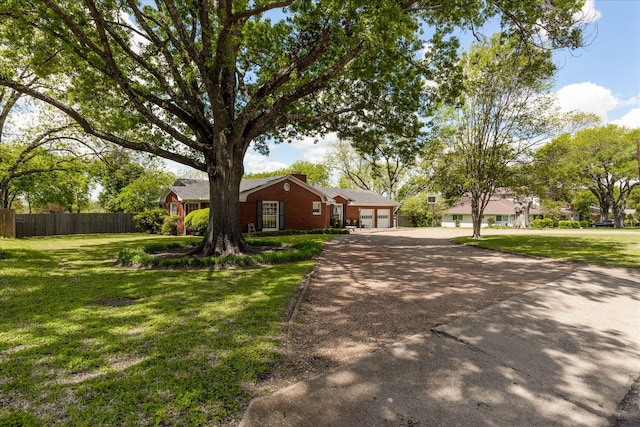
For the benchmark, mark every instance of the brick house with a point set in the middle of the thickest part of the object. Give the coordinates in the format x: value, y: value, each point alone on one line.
x: 286, y: 202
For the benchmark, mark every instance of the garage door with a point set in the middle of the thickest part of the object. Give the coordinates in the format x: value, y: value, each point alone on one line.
x: 366, y: 218
x: 384, y: 216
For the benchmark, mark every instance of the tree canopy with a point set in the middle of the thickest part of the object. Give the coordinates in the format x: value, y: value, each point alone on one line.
x: 317, y: 173
x: 501, y: 114
x: 198, y: 82
x: 601, y: 159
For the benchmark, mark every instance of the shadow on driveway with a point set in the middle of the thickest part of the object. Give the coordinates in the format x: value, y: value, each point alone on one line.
x: 489, y: 339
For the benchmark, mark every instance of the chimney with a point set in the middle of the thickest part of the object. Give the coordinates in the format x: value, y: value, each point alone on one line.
x: 302, y: 177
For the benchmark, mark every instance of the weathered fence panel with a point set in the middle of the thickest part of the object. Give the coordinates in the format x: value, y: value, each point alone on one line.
x: 51, y: 224
x: 403, y: 221
x: 7, y: 223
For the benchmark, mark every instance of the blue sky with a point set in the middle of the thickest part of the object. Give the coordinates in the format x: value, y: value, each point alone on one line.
x: 603, y: 78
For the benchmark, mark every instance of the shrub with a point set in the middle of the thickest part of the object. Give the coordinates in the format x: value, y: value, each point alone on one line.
x: 298, y: 252
x: 151, y: 221
x: 568, y: 224
x: 491, y: 221
x: 585, y: 223
x: 542, y: 223
x: 296, y: 232
x: 196, y: 222
x: 170, y: 225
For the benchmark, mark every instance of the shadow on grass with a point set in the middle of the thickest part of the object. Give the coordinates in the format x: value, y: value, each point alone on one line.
x: 181, y: 350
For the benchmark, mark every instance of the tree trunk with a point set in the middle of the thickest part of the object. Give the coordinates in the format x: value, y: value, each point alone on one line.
x: 527, y: 209
x: 476, y: 217
x: 618, y: 213
x: 4, y: 193
x: 522, y: 209
x: 223, y: 236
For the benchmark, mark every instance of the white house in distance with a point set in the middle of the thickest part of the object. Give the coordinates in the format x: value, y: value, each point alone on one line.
x: 501, y: 208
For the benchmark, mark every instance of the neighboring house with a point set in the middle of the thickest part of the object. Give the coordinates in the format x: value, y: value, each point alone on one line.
x: 501, y: 208
x: 285, y: 203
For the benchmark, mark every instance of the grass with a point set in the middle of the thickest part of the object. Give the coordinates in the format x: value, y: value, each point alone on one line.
x: 595, y: 247
x: 84, y: 342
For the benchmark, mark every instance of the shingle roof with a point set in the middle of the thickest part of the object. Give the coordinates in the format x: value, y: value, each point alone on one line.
x: 357, y: 196
x: 191, y: 189
x: 198, y: 189
x: 496, y: 206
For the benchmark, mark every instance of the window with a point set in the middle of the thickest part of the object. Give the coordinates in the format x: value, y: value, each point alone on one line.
x: 191, y: 207
x: 269, y: 215
x: 173, y: 208
x: 458, y: 217
x: 317, y: 208
x: 502, y: 218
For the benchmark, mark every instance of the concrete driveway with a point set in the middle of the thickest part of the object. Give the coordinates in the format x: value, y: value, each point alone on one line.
x: 565, y: 353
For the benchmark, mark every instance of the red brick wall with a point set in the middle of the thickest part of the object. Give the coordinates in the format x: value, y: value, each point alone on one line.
x: 298, y: 207
x: 167, y: 206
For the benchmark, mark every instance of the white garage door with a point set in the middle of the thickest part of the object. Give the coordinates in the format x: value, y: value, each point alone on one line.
x: 366, y: 218
x: 383, y: 218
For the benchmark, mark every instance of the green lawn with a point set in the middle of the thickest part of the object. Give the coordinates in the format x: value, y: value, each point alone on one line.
x: 84, y: 342
x: 597, y: 246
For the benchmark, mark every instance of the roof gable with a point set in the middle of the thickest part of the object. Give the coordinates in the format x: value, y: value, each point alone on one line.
x: 250, y: 186
x: 198, y: 189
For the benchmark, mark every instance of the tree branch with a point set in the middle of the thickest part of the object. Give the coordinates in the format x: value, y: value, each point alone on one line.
x: 91, y: 130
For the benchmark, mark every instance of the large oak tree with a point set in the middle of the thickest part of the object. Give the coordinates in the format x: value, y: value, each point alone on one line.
x: 199, y: 81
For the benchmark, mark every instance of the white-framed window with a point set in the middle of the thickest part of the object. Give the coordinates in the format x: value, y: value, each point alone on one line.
x: 502, y: 218
x: 269, y: 216
x: 458, y: 217
x: 317, y: 208
x: 173, y: 208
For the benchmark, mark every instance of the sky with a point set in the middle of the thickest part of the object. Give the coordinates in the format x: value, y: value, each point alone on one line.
x: 603, y: 77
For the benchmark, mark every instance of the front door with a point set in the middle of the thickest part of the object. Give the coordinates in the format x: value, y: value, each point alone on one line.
x: 337, y: 212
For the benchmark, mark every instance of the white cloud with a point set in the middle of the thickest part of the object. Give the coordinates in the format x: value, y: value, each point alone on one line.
x: 589, y: 98
x: 588, y: 13
x: 630, y: 120
x: 258, y: 163
x: 138, y: 42
x: 313, y: 150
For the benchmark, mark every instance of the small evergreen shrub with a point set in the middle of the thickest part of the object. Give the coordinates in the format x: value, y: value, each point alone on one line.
x: 196, y: 222
x: 151, y: 221
x: 542, y: 223
x: 568, y: 224
x: 170, y: 225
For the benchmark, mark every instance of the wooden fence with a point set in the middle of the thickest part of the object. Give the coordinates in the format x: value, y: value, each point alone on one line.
x: 403, y: 221
x: 49, y: 224
x: 7, y: 223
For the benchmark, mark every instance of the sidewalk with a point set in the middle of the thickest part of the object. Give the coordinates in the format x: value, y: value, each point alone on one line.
x: 564, y: 354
